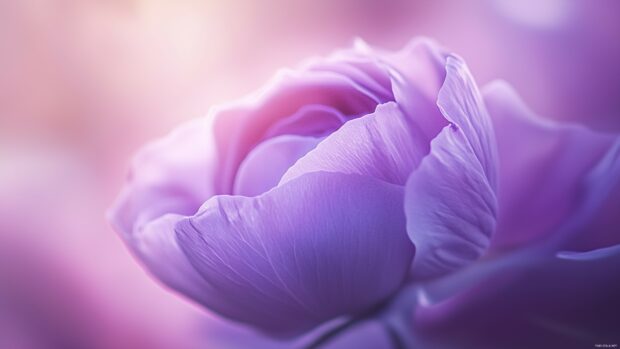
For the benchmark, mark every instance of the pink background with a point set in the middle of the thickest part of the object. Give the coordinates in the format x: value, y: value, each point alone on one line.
x: 84, y: 83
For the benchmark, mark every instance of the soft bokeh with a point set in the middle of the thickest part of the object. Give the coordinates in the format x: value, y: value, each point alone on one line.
x: 84, y: 83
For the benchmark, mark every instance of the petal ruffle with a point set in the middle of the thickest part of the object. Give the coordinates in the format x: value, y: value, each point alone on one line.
x: 362, y: 69
x: 450, y: 200
x: 416, y: 73
x: 302, y: 253
x: 544, y: 168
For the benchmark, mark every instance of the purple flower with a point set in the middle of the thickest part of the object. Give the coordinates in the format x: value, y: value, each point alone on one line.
x: 366, y: 185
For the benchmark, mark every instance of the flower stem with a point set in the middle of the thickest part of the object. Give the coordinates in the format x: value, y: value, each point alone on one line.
x: 341, y: 328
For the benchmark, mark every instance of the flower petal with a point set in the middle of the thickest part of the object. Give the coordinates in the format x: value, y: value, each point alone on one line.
x: 416, y: 73
x: 309, y: 120
x: 362, y: 69
x: 156, y: 245
x: 262, y: 169
x: 595, y: 225
x: 380, y: 145
x: 170, y: 178
x: 543, y: 168
x: 450, y: 199
x: 302, y: 253
x: 171, y: 175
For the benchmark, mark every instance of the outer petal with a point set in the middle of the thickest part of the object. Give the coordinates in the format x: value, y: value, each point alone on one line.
x: 543, y: 168
x: 450, y: 199
x: 380, y: 145
x: 172, y: 175
x: 170, y: 178
x: 156, y: 245
x: 304, y: 252
x: 530, y: 301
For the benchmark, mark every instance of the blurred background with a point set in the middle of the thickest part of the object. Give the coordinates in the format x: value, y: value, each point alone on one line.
x: 84, y: 83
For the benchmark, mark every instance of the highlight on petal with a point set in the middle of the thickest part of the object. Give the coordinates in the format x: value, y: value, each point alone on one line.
x: 380, y: 145
x: 544, y: 168
x: 303, y: 253
x: 450, y: 199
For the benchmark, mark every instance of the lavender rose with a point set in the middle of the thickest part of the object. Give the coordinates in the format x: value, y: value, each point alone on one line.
x: 350, y: 186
